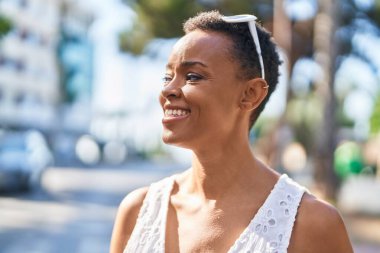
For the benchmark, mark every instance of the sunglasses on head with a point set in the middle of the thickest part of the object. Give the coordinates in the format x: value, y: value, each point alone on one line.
x: 251, y: 20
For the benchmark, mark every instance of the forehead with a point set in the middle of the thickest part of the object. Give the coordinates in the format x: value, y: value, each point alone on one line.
x: 202, y: 46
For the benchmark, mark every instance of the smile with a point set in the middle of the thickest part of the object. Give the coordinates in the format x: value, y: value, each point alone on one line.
x: 174, y: 115
x: 176, y: 112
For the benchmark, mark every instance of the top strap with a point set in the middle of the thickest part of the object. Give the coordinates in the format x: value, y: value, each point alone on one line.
x: 271, y: 228
x: 149, y: 232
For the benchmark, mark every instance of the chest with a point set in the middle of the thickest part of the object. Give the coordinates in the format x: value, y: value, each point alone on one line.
x: 206, y: 229
x: 161, y: 228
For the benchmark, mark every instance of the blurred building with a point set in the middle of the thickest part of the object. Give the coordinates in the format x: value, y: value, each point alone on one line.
x: 29, y: 77
x: 46, y: 71
x: 42, y: 61
x: 75, y: 52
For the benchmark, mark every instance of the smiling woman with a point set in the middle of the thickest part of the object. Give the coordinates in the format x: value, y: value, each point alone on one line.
x: 218, y: 80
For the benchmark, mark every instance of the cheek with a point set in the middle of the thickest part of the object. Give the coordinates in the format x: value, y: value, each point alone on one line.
x: 208, y: 110
x: 188, y: 90
x: 207, y: 99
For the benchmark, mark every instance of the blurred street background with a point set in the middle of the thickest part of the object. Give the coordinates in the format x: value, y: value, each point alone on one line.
x: 80, y: 122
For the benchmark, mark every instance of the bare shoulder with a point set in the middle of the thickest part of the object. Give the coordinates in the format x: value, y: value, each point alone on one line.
x: 318, y: 228
x: 133, y: 201
x: 126, y: 217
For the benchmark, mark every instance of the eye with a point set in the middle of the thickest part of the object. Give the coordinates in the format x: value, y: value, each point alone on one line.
x: 166, y: 79
x: 192, y: 77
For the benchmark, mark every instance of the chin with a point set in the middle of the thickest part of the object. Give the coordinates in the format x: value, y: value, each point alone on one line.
x: 170, y: 139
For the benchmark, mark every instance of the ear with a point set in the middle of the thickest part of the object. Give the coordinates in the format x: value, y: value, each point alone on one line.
x: 253, y: 94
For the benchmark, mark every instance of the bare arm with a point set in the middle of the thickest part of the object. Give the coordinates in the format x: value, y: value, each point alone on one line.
x: 126, y: 219
x: 319, y: 228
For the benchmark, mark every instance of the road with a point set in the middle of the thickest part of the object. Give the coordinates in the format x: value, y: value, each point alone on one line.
x: 75, y: 209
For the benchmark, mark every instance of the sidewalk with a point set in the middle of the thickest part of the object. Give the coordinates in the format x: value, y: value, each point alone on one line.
x: 360, y: 195
x: 364, y: 232
x: 75, y: 211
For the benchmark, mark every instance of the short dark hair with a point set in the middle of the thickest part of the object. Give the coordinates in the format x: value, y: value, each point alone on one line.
x: 243, y: 50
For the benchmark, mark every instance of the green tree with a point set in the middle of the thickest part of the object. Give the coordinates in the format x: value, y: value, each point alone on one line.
x: 163, y: 18
x: 5, y: 25
x: 375, y: 118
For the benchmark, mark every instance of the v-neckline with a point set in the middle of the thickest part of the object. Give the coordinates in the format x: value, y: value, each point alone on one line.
x: 242, y: 235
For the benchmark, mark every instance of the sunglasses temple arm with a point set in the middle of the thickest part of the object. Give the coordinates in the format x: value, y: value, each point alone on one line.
x: 252, y: 28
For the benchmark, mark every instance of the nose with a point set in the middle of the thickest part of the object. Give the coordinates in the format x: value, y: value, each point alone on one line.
x: 171, y: 91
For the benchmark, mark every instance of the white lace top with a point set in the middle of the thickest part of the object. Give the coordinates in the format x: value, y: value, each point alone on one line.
x: 268, y: 232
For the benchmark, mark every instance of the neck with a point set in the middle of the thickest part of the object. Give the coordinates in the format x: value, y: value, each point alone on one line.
x: 218, y: 169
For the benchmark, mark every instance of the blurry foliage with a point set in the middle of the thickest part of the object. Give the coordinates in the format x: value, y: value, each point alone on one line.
x: 351, y: 22
x: 373, y: 13
x: 375, y: 118
x: 342, y: 119
x: 303, y: 115
x: 262, y: 127
x: 350, y: 14
x: 352, y: 18
x: 5, y: 26
x: 134, y: 40
x: 164, y: 18
x: 348, y: 159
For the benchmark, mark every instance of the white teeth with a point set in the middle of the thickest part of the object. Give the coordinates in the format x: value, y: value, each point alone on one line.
x: 177, y: 112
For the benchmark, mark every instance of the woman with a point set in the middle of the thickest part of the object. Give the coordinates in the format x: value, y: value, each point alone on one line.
x: 218, y: 80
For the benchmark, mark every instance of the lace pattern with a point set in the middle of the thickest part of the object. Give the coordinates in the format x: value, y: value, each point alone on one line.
x: 268, y: 232
x: 148, y: 235
x: 271, y: 228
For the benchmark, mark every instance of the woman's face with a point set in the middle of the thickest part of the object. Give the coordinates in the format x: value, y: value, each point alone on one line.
x: 201, y: 91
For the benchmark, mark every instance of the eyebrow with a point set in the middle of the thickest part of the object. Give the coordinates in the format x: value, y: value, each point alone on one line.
x: 187, y: 64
